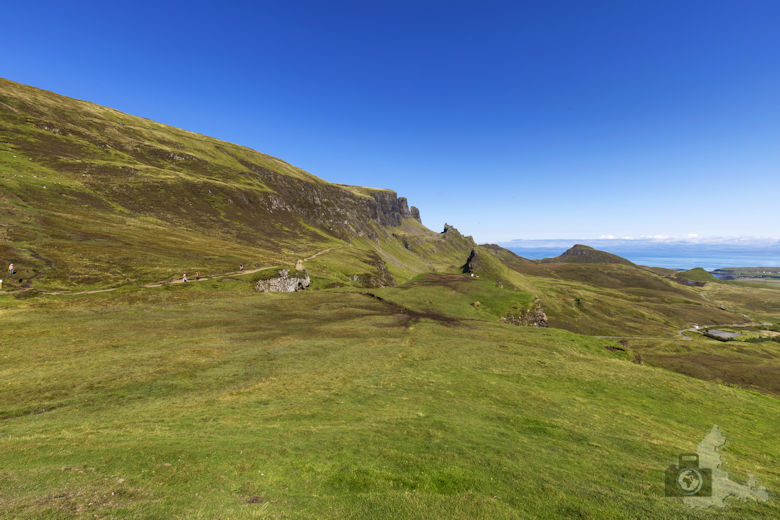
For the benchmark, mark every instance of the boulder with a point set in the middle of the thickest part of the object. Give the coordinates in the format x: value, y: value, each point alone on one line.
x: 283, y: 282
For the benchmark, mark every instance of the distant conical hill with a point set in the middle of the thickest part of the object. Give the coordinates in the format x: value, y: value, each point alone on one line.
x: 697, y: 274
x: 587, y: 255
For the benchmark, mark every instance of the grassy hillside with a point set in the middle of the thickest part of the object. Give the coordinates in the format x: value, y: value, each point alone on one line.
x: 90, y: 196
x: 397, y: 386
x: 212, y: 401
x: 605, y: 298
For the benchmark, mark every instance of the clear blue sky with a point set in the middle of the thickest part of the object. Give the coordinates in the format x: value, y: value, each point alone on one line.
x: 508, y: 120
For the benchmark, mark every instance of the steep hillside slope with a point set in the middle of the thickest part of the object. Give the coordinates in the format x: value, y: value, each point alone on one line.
x: 89, y: 195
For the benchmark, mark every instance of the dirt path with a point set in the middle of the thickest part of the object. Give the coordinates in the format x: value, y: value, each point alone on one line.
x: 204, y: 278
x: 683, y: 338
x: 92, y: 291
x: 315, y: 255
x: 175, y: 280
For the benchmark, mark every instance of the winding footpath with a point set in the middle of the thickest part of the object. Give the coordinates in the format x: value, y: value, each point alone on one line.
x: 175, y: 280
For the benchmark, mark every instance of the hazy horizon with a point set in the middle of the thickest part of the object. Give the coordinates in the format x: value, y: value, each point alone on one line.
x: 687, y: 253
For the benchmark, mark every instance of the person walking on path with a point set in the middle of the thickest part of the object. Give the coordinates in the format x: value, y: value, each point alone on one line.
x: 184, y: 278
x: 241, y: 267
x: 11, y: 270
x: 197, y: 276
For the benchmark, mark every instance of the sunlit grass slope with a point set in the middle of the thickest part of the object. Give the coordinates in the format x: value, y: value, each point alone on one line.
x: 212, y: 401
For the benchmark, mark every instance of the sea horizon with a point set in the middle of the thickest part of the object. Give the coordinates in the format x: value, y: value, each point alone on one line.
x: 670, y: 255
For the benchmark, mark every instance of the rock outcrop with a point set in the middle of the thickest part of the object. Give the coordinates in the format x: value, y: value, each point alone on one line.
x: 332, y: 207
x: 403, y: 207
x: 416, y: 214
x: 284, y: 282
x: 380, y: 278
x: 531, y: 317
x: 470, y: 266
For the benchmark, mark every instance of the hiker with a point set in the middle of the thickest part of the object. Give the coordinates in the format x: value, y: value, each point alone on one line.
x: 197, y: 276
x: 241, y: 267
x: 11, y: 270
x: 184, y: 278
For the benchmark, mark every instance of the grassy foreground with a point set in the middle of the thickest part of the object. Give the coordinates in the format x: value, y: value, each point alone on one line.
x: 212, y: 401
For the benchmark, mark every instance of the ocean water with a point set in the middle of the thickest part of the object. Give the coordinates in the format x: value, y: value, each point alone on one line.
x: 674, y: 256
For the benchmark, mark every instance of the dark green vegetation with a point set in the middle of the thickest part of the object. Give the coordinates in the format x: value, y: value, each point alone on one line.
x: 390, y: 390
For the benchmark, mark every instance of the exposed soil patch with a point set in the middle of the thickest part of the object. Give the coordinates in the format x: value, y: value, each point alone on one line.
x: 412, y: 316
x: 9, y: 107
x: 29, y: 412
x: 452, y: 281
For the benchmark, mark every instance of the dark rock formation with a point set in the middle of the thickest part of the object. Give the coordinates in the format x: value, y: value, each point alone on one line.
x: 451, y: 231
x: 332, y: 207
x: 469, y: 266
x: 404, y: 207
x: 416, y: 214
x: 284, y: 282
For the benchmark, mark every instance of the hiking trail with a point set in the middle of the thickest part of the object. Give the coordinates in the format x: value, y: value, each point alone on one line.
x: 169, y: 281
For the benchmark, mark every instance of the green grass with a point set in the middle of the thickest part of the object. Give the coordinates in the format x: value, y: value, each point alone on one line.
x: 188, y: 401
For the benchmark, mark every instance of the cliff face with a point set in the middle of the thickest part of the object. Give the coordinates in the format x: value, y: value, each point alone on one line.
x: 335, y: 209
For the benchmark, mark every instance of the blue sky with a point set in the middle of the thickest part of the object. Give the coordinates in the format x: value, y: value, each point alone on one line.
x: 506, y: 119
